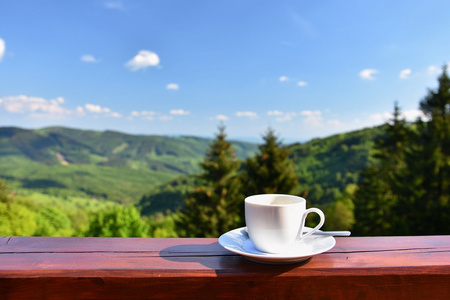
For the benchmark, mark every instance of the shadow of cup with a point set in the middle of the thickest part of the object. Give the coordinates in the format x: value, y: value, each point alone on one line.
x: 214, y: 257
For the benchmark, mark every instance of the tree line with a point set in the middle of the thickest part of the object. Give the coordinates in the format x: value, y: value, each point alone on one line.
x: 24, y: 216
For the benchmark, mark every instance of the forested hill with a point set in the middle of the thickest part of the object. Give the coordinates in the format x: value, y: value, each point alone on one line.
x: 56, y: 145
x: 121, y: 167
x: 107, y: 164
x: 326, y: 167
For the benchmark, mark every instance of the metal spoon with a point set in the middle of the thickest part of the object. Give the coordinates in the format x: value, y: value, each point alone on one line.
x: 327, y: 233
x: 331, y: 233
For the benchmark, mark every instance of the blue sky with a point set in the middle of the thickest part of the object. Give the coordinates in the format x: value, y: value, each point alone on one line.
x: 306, y: 68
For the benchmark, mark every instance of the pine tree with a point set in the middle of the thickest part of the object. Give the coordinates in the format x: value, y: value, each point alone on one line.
x: 406, y: 192
x: 271, y: 170
x: 377, y: 198
x: 214, y: 206
x: 435, y: 155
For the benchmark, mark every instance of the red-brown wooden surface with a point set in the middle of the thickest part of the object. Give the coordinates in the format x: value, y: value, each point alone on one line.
x: 136, y: 268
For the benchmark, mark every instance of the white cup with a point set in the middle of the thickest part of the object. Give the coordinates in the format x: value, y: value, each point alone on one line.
x: 275, y: 221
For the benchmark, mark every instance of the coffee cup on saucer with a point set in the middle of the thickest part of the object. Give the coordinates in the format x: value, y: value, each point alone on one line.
x: 275, y: 222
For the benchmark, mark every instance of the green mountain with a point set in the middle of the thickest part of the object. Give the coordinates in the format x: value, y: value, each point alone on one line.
x: 108, y: 164
x: 325, y: 167
x: 155, y: 172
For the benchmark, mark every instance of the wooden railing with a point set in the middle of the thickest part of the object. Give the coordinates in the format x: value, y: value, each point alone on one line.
x: 145, y: 268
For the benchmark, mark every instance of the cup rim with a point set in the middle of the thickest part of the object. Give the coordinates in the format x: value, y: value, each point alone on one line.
x: 253, y: 199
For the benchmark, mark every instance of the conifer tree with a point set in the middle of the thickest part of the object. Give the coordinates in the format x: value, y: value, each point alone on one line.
x: 271, y: 170
x: 377, y: 198
x: 435, y: 157
x: 213, y: 207
x: 406, y: 192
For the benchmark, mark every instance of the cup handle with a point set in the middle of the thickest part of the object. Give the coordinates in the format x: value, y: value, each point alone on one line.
x: 300, y: 234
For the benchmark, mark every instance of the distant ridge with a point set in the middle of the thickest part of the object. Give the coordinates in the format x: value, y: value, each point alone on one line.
x: 108, y: 147
x: 60, y: 159
x: 156, y: 171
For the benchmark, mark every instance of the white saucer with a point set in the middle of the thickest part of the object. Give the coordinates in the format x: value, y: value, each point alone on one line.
x: 237, y: 241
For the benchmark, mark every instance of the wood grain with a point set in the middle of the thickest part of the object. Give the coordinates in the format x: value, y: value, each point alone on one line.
x: 142, y: 268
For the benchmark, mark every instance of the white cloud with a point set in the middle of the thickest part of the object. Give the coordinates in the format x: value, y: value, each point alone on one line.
x: 37, y: 106
x: 282, y: 116
x: 221, y: 117
x: 368, y: 74
x: 313, y: 118
x: 97, y: 109
x: 310, y: 113
x: 80, y: 111
x: 180, y: 112
x: 115, y: 115
x: 172, y: 86
x: 433, y: 70
x: 145, y: 114
x: 143, y: 60
x: 283, y: 78
x: 249, y: 114
x: 413, y: 114
x: 376, y: 119
x: 286, y: 117
x: 166, y: 118
x: 2, y: 49
x: 274, y: 113
x: 89, y: 58
x: 379, y: 118
x: 302, y: 83
x: 404, y: 74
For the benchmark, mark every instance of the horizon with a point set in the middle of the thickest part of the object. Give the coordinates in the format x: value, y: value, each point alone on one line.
x: 308, y: 70
x: 251, y: 140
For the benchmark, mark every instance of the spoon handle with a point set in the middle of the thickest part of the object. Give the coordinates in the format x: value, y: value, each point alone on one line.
x: 319, y: 232
x: 333, y: 233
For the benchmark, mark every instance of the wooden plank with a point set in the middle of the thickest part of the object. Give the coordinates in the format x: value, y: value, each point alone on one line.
x: 201, y: 255
x: 79, y: 245
x: 340, y: 263
x: 89, y: 244
x: 115, y: 268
